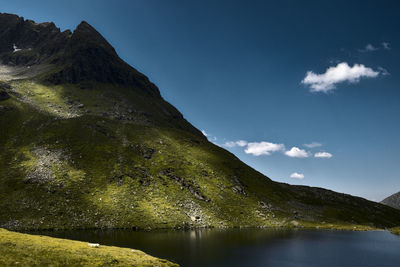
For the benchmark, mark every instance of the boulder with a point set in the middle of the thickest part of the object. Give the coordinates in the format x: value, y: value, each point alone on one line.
x: 4, y: 95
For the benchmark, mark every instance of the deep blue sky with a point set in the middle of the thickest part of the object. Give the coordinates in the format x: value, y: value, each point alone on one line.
x: 234, y: 69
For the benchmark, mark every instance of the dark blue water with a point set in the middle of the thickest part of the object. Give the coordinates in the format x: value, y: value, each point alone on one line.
x: 254, y: 247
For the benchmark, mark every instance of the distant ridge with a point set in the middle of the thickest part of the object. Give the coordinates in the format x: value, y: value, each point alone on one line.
x: 392, y: 201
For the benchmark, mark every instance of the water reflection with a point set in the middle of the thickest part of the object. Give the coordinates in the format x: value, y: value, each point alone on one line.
x: 254, y: 247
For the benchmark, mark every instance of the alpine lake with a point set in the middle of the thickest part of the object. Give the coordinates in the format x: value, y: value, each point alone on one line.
x: 253, y: 247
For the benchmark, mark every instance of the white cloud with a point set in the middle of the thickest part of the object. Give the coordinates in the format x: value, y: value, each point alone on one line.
x: 369, y: 48
x: 266, y: 148
x: 296, y: 175
x: 240, y: 143
x: 342, y: 72
x: 313, y: 144
x: 204, y: 133
x: 296, y: 152
x: 386, y: 45
x: 325, y: 155
x: 263, y: 148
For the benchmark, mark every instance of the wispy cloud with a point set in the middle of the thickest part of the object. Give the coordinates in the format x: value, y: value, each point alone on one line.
x: 325, y: 155
x: 312, y: 145
x: 386, y: 45
x: 383, y: 71
x: 240, y: 143
x: 368, y: 48
x: 296, y: 175
x: 229, y: 144
x: 340, y: 73
x: 211, y: 138
x: 296, y: 152
x: 263, y: 148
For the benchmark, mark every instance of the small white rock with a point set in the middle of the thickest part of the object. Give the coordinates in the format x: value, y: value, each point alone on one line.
x: 94, y: 245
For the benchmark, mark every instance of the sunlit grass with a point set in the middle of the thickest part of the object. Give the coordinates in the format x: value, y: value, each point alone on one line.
x: 395, y: 230
x: 32, y: 250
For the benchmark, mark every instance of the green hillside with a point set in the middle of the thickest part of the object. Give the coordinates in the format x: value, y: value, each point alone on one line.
x: 83, y: 151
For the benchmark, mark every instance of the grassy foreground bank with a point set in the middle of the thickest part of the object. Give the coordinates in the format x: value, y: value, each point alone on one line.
x: 395, y: 230
x: 32, y: 250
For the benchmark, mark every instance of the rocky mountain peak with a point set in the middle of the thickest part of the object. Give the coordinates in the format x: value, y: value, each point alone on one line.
x: 83, y: 56
x: 19, y: 35
x: 85, y: 28
x: 86, y: 35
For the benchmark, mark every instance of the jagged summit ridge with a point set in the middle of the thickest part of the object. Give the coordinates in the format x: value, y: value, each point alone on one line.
x: 24, y: 42
x: 85, y: 31
x: 81, y: 56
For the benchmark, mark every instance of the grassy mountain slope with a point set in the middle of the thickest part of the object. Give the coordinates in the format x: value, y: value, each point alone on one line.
x: 31, y: 250
x: 82, y: 152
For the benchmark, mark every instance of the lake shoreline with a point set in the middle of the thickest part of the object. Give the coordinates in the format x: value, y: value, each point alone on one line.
x: 395, y: 231
x: 219, y: 246
x: 351, y: 228
x: 327, y: 226
x: 29, y: 249
x: 11, y: 247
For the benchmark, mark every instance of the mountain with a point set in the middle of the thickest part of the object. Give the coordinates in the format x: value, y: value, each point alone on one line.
x: 88, y: 142
x: 392, y: 201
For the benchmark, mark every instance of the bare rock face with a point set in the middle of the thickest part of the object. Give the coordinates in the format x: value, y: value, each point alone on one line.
x: 392, y: 201
x: 78, y: 57
x: 89, y: 57
x: 42, y: 171
x: 24, y: 42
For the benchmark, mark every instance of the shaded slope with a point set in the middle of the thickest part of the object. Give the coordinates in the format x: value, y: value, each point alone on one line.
x: 79, y: 57
x: 24, y: 42
x: 89, y: 57
x: 84, y: 151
